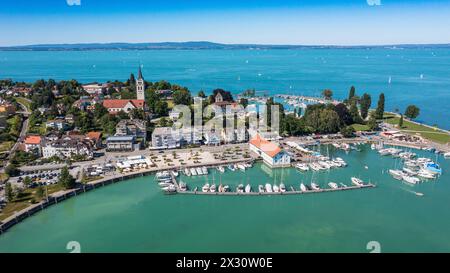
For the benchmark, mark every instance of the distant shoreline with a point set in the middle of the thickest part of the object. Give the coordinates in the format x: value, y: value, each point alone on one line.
x: 203, y: 46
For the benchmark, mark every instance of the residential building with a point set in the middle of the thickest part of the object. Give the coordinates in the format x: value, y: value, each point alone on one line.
x: 211, y: 138
x: 94, y: 88
x: 67, y: 147
x: 270, y: 152
x: 7, y: 108
x: 96, y: 138
x: 165, y: 137
x: 174, y: 115
x: 121, y: 144
x: 58, y: 124
x: 33, y: 144
x: 134, y: 127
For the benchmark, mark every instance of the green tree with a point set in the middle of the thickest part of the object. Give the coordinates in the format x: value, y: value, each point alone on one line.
x: 372, y: 123
x: 348, y: 131
x: 354, y: 112
x: 40, y: 192
x: 9, y: 192
x: 12, y: 170
x: 365, y: 103
x: 380, y: 107
x: 99, y: 110
x: 66, y: 179
x: 400, y: 122
x: 201, y: 94
x: 27, y: 181
x: 351, y: 93
x: 327, y: 94
x: 412, y: 111
x: 182, y: 97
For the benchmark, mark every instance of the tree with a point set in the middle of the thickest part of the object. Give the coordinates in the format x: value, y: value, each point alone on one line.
x: 9, y: 192
x: 201, y: 94
x: 66, y: 179
x: 327, y: 94
x: 372, y: 123
x: 40, y: 192
x: 344, y: 115
x: 243, y: 102
x: 182, y: 97
x: 380, y: 107
x: 354, y: 112
x: 365, y: 103
x: 27, y: 181
x: 11, y: 170
x: 348, y: 131
x: 400, y: 122
x: 99, y: 110
x: 351, y: 93
x: 412, y: 111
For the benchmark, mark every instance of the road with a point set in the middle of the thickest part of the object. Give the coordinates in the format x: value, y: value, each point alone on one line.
x: 23, y: 131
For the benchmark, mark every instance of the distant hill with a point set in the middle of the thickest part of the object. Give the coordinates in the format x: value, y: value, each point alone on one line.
x: 191, y: 45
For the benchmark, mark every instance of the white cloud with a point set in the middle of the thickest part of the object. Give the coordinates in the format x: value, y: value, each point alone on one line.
x: 73, y: 2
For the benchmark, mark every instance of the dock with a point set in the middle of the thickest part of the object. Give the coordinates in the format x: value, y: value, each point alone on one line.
x: 291, y: 192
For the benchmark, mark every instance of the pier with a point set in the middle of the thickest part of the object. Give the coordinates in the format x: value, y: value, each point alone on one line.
x: 292, y: 192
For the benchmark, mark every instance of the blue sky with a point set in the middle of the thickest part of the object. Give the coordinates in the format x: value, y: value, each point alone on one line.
x: 309, y: 22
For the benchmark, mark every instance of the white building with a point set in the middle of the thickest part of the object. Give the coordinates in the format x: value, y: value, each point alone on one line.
x: 67, y: 148
x: 270, y: 152
x: 140, y: 86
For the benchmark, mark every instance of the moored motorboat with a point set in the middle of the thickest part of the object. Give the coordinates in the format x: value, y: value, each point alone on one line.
x: 269, y: 188
x: 275, y: 188
x: 411, y: 179
x: 205, y: 188
x: 182, y: 186
x: 426, y: 174
x: 397, y: 174
x: 314, y: 186
x: 333, y: 185
x: 240, y: 188
x: 282, y: 187
x: 204, y: 170
x: 357, y: 181
x: 212, y: 188
x: 303, y: 187
x: 260, y: 188
x: 248, y: 188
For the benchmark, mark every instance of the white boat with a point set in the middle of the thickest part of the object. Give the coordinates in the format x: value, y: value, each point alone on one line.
x: 302, y: 167
x: 240, y: 188
x: 231, y: 168
x: 269, y: 188
x: 314, y: 167
x: 226, y: 188
x: 384, y: 151
x: 183, y: 186
x: 248, y: 188
x: 199, y: 171
x: 357, y: 181
x: 164, y: 184
x: 275, y: 188
x: 221, y: 188
x: 260, y: 188
x: 241, y: 167
x: 426, y: 174
x: 282, y: 187
x: 221, y: 169
x: 314, y: 186
x: 409, y: 171
x: 397, y: 174
x: 175, y: 173
x: 205, y: 188
x: 447, y: 155
x: 411, y: 179
x: 343, y: 185
x: 303, y: 187
x: 170, y: 188
x: 162, y: 175
x: 373, y: 147
x: 193, y: 171
x: 204, y: 170
x: 187, y: 172
x: 212, y: 188
x: 324, y: 164
x: 333, y: 185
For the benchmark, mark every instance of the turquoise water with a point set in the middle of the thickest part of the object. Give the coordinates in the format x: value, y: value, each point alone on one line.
x: 306, y: 72
x: 134, y: 216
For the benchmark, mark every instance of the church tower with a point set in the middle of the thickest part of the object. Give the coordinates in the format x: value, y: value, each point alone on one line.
x: 140, y: 86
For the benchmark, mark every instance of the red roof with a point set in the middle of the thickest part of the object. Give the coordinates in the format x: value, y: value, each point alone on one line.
x: 94, y: 135
x: 33, y: 140
x: 122, y: 103
x: 269, y: 148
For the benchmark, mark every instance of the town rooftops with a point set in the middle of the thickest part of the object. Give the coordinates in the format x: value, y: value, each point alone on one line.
x: 33, y: 140
x: 267, y: 147
x: 120, y: 138
x: 94, y: 135
x: 122, y: 103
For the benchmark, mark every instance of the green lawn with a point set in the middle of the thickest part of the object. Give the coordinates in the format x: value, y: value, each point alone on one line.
x: 6, y: 146
x: 25, y: 102
x: 413, y: 128
x: 360, y: 127
x: 25, y: 200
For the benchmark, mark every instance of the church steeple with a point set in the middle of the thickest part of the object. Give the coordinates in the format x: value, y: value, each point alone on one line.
x: 140, y: 86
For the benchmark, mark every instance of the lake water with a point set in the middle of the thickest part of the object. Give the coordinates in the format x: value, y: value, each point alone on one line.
x: 418, y: 76
x: 134, y: 216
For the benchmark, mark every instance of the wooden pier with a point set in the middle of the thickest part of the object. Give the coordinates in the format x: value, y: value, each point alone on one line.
x: 291, y: 192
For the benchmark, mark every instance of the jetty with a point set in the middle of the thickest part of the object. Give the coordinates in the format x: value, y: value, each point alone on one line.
x: 291, y: 192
